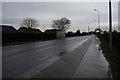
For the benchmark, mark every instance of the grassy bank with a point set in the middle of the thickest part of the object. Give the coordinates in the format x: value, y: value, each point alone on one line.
x: 25, y: 42
x: 113, y: 58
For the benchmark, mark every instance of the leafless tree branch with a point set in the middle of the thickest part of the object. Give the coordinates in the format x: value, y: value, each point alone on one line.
x: 62, y: 23
x: 30, y: 23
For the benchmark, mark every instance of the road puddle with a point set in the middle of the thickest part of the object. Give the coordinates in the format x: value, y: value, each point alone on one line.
x: 62, y: 53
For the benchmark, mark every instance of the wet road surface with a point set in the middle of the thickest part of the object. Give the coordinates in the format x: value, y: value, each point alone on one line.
x: 22, y: 61
x: 84, y: 62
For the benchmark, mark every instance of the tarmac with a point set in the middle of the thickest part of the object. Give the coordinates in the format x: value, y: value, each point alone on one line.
x: 86, y: 61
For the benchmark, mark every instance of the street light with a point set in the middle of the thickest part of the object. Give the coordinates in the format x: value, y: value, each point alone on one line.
x: 110, y: 26
x: 95, y: 23
x: 88, y: 30
x: 98, y: 17
x: 43, y: 28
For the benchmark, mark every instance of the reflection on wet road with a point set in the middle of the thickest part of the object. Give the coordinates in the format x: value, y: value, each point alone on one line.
x: 22, y: 60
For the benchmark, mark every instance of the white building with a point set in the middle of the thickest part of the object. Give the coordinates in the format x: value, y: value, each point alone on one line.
x: 60, y: 33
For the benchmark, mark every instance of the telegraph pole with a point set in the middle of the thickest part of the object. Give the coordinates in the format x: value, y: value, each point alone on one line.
x: 43, y: 28
x: 88, y: 30
x: 98, y: 17
x: 110, y: 26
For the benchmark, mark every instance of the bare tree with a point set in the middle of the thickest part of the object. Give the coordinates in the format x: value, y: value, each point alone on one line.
x: 62, y: 23
x: 30, y: 23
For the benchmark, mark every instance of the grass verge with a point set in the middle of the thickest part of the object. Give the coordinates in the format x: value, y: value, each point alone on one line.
x: 25, y: 42
x: 113, y: 58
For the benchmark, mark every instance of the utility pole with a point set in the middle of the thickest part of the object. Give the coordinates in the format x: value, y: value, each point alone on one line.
x: 88, y: 30
x: 110, y: 26
x: 43, y: 28
x: 98, y: 17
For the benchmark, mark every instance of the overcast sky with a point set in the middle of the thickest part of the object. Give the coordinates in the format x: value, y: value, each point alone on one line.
x: 81, y: 14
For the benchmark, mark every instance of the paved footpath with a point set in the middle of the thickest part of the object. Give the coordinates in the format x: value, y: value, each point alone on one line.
x: 86, y: 61
x: 94, y: 64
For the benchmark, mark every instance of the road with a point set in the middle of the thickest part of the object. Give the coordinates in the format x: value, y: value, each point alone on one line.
x: 22, y: 61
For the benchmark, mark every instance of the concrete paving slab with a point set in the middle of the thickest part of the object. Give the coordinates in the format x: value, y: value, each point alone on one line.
x: 94, y: 64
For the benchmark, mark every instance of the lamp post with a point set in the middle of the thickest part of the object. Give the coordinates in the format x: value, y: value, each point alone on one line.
x: 98, y: 17
x: 43, y: 28
x: 110, y: 26
x: 88, y: 30
x: 95, y: 24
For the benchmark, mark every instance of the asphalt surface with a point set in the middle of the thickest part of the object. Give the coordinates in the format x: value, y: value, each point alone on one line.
x: 86, y: 61
x: 26, y: 60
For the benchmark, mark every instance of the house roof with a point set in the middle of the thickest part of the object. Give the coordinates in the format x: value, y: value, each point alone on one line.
x: 8, y: 29
x: 50, y: 31
x: 36, y: 31
x: 25, y: 30
x: 29, y: 30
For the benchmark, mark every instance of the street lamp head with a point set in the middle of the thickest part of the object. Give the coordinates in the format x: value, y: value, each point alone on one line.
x: 95, y: 9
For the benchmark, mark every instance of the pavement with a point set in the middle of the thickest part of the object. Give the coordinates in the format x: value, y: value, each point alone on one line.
x: 75, y: 57
x: 94, y: 64
x: 88, y: 62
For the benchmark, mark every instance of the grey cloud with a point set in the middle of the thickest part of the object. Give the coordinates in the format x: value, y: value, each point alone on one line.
x: 81, y: 14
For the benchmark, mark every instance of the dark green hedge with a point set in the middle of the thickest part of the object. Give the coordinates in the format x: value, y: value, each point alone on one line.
x: 115, y: 39
x: 21, y: 37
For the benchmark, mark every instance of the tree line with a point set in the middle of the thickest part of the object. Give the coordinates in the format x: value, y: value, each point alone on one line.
x: 62, y: 23
x: 31, y: 23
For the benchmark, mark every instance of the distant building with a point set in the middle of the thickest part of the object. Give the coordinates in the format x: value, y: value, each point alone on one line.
x: 70, y: 34
x: 8, y: 29
x: 50, y: 31
x: 104, y: 32
x: 25, y: 30
x: 55, y: 32
x: 37, y: 31
x: 60, y: 34
x: 29, y: 30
